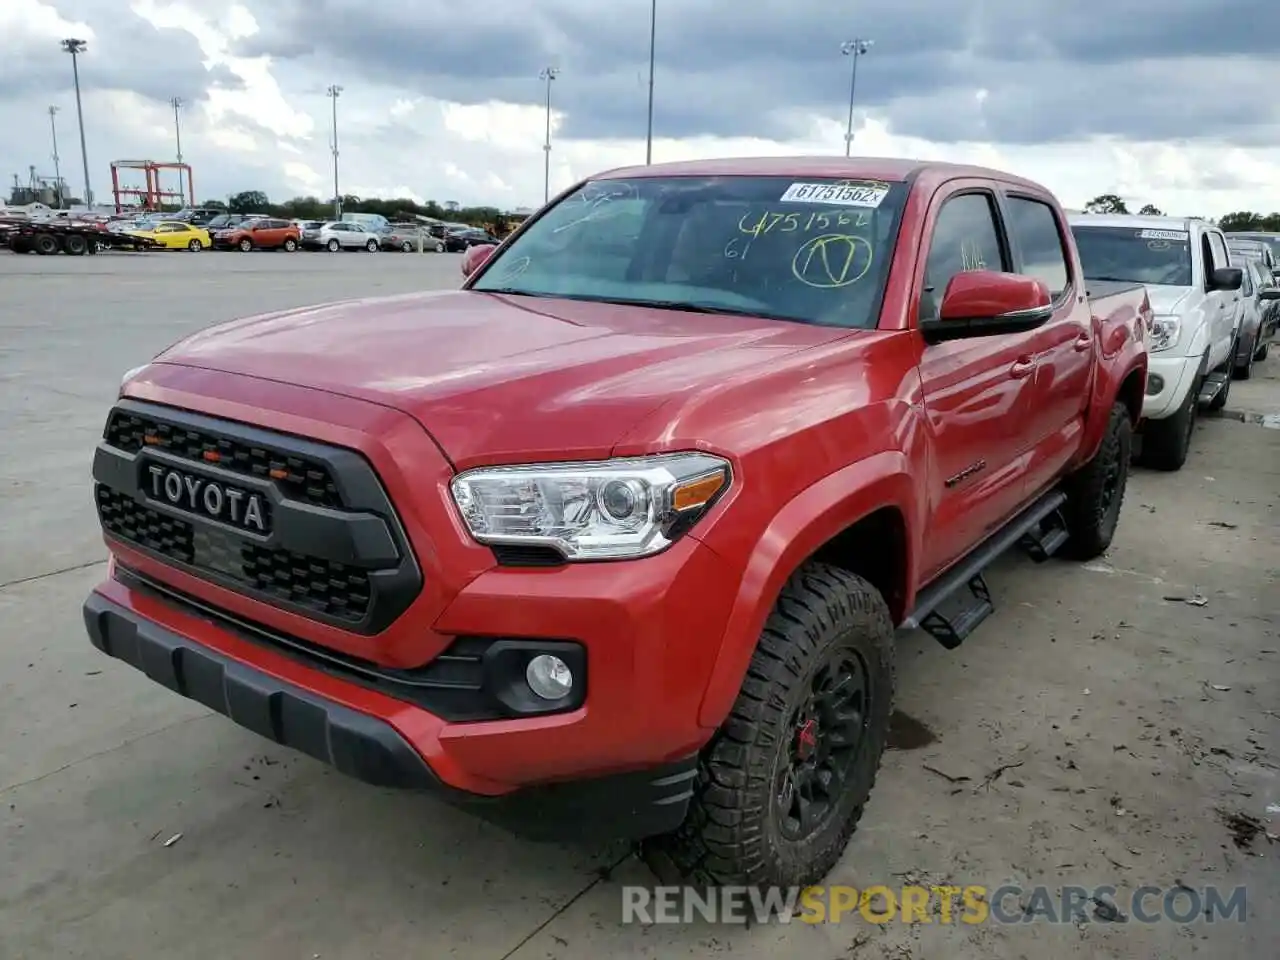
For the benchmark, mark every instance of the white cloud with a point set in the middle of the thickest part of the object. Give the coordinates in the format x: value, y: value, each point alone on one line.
x: 273, y: 133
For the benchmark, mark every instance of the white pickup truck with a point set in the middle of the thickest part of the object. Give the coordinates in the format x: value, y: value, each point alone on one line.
x: 1194, y: 292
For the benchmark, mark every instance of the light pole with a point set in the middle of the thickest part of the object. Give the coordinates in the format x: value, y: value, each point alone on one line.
x: 176, y: 102
x: 854, y: 48
x: 653, y: 48
x: 57, y: 169
x: 75, y: 48
x: 334, y: 92
x: 548, y: 74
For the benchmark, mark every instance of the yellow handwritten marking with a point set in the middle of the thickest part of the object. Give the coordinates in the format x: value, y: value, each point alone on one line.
x: 793, y: 222
x: 830, y: 260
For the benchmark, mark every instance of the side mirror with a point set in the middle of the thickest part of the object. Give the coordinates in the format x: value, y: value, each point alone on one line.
x: 979, y: 303
x: 1226, y: 278
x: 1271, y: 293
x: 475, y: 257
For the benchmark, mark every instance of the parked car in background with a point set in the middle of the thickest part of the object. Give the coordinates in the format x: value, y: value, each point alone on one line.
x: 407, y: 236
x: 1254, y: 250
x: 175, y: 235
x: 1194, y: 289
x: 1259, y: 294
x: 455, y: 241
x: 614, y: 541
x: 197, y: 216
x: 264, y: 234
x: 1272, y: 241
x: 372, y: 222
x: 305, y: 225
x: 340, y: 235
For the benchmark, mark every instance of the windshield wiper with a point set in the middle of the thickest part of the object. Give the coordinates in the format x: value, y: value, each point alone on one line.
x: 515, y: 292
x: 693, y: 307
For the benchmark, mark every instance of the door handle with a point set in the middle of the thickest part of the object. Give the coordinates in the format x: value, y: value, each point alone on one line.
x: 1022, y: 367
x: 1083, y: 342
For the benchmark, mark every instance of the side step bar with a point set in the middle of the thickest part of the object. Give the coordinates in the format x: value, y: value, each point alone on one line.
x: 1214, y: 384
x: 1039, y: 529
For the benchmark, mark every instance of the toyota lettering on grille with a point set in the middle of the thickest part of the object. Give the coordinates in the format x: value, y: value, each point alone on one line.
x: 209, y: 498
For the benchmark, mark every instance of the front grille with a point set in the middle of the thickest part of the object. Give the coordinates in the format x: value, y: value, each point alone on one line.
x: 296, y: 478
x: 335, y: 590
x: 333, y: 549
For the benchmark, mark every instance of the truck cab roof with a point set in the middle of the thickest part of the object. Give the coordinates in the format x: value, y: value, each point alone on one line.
x: 1136, y: 220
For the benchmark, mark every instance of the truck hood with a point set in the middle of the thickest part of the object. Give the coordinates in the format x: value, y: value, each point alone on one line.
x: 1167, y: 301
x: 500, y: 379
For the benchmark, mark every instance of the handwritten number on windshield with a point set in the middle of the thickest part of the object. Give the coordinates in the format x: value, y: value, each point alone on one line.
x: 798, y: 222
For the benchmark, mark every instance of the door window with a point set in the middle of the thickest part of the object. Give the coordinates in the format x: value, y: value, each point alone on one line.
x: 1033, y: 229
x: 965, y: 237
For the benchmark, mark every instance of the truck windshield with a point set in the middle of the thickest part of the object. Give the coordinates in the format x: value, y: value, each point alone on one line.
x: 787, y: 248
x: 1137, y: 255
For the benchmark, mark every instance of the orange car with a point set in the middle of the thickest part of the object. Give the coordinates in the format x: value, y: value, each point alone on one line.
x: 263, y: 234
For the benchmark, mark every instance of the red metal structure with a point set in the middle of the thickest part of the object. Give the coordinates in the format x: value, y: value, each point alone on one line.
x: 152, y: 195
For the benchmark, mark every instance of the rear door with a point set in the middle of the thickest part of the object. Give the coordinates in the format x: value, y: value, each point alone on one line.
x: 976, y: 391
x: 1054, y: 419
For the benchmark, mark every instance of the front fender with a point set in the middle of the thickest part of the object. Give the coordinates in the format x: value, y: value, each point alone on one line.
x: 804, y: 524
x: 1122, y: 352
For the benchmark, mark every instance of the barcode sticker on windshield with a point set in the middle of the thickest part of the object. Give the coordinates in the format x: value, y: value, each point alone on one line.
x: 847, y: 194
x: 1163, y: 235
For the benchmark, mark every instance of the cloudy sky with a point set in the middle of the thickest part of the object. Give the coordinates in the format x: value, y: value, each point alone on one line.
x: 1166, y: 101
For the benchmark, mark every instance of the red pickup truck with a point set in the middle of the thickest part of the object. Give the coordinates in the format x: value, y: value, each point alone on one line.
x: 616, y: 538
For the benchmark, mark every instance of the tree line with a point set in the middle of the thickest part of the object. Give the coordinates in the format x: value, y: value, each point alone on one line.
x: 313, y: 208
x: 1240, y: 220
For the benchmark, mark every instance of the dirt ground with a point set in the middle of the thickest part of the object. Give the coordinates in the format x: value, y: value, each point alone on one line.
x: 1113, y: 723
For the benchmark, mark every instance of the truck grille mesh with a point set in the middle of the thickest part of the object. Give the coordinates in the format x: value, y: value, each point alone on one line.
x: 295, y: 477
x: 322, y: 586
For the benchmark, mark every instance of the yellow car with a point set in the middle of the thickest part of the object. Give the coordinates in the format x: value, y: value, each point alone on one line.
x: 176, y: 235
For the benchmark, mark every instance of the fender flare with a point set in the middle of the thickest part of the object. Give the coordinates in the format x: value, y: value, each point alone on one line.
x: 797, y: 531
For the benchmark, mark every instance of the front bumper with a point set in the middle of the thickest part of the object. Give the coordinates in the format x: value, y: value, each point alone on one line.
x: 633, y: 804
x: 1168, y: 380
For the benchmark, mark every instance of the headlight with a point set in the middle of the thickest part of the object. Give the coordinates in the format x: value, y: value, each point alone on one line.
x: 1164, y: 333
x: 609, y: 509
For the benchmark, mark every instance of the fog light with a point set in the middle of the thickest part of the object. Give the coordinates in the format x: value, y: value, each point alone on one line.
x: 549, y: 677
x: 1155, y: 383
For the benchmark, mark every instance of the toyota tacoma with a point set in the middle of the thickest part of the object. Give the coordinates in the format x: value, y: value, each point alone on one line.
x: 615, y: 540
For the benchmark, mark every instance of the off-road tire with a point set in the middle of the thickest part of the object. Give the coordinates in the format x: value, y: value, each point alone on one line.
x: 731, y: 834
x: 1095, y: 493
x: 1165, y: 443
x: 1245, y: 370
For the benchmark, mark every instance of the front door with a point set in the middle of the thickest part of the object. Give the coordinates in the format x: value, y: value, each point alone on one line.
x: 975, y: 390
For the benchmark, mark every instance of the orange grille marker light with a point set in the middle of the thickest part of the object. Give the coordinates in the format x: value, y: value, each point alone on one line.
x: 150, y: 438
x: 213, y: 456
x: 279, y: 474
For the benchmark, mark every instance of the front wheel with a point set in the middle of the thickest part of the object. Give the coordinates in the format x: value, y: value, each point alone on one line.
x: 372, y: 246
x: 782, y: 785
x: 1096, y: 492
x: 195, y: 246
x: 439, y: 247
x: 246, y: 244
x: 1166, y: 443
x: 1261, y: 353
x: 333, y: 246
